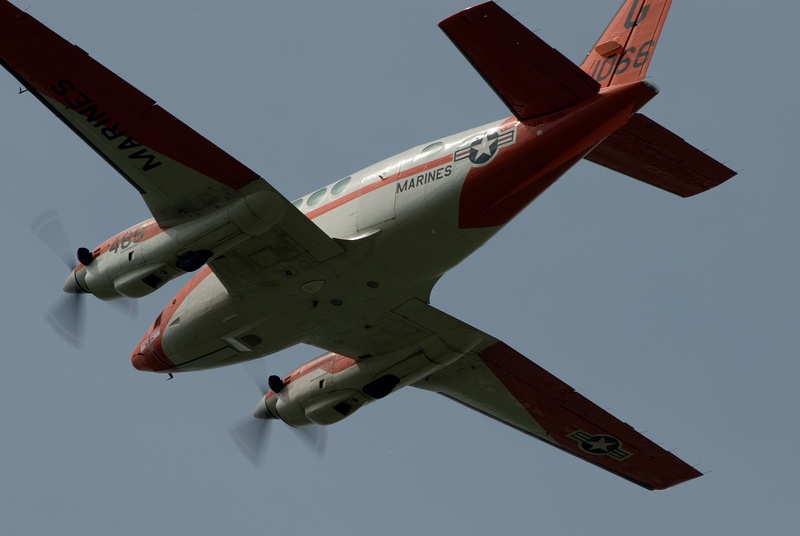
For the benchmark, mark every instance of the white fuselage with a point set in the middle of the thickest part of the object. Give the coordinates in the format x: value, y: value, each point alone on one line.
x: 399, y: 216
x: 403, y: 223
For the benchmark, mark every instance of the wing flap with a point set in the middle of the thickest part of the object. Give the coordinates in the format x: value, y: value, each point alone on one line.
x: 646, y: 151
x: 532, y: 78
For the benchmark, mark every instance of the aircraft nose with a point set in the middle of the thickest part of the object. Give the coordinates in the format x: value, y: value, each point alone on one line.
x: 148, y: 356
x: 72, y: 286
x: 142, y: 361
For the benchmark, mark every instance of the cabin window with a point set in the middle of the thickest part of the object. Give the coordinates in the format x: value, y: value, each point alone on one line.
x: 432, y: 149
x: 316, y: 197
x: 340, y: 186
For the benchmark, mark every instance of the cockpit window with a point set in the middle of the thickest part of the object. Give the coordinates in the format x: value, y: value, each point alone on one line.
x: 340, y: 186
x: 298, y: 202
x: 316, y: 197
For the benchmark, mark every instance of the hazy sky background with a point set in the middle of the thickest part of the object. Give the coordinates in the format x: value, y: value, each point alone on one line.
x: 681, y: 316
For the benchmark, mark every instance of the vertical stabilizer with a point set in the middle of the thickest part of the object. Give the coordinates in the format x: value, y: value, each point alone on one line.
x: 623, y: 52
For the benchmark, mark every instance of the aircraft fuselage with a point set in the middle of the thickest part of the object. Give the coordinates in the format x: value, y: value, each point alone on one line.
x: 408, y: 219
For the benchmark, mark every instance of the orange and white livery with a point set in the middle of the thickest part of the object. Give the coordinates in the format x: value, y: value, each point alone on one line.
x: 349, y: 268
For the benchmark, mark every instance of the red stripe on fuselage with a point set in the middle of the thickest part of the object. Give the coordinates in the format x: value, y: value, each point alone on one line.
x: 371, y: 187
x: 506, y: 125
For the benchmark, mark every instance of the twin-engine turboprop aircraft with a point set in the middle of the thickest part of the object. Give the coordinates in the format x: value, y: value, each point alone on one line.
x: 349, y: 268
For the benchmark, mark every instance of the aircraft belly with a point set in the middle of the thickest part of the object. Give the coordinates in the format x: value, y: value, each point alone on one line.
x: 329, y: 308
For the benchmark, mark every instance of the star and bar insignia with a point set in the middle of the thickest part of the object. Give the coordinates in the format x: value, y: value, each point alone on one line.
x: 483, y: 148
x: 602, y: 445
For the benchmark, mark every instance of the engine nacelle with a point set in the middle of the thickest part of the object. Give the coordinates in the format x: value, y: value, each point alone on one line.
x: 142, y: 259
x: 326, y: 409
x: 333, y: 386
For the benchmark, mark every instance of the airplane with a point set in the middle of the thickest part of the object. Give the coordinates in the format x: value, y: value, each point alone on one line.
x: 349, y: 268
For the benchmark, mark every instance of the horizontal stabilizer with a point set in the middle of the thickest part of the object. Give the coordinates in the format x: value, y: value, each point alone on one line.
x: 646, y: 151
x: 532, y: 78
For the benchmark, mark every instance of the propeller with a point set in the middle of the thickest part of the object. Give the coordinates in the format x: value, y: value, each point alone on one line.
x: 314, y: 437
x: 67, y: 317
x: 50, y: 230
x: 250, y: 434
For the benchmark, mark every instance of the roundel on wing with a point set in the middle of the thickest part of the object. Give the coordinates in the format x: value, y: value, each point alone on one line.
x: 600, y: 444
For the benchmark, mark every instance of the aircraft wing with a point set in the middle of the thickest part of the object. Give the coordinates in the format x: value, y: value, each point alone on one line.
x: 180, y: 174
x: 531, y: 77
x: 496, y: 380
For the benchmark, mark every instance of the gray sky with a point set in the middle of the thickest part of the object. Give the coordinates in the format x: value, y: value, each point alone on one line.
x: 681, y: 316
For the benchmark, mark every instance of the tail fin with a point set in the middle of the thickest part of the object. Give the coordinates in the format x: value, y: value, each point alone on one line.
x: 623, y: 52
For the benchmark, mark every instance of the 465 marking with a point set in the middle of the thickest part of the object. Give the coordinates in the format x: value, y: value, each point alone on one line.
x: 126, y: 239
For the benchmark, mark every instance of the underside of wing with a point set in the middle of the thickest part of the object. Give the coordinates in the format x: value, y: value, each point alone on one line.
x: 499, y: 382
x: 646, y: 151
x: 178, y: 172
x: 532, y: 78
